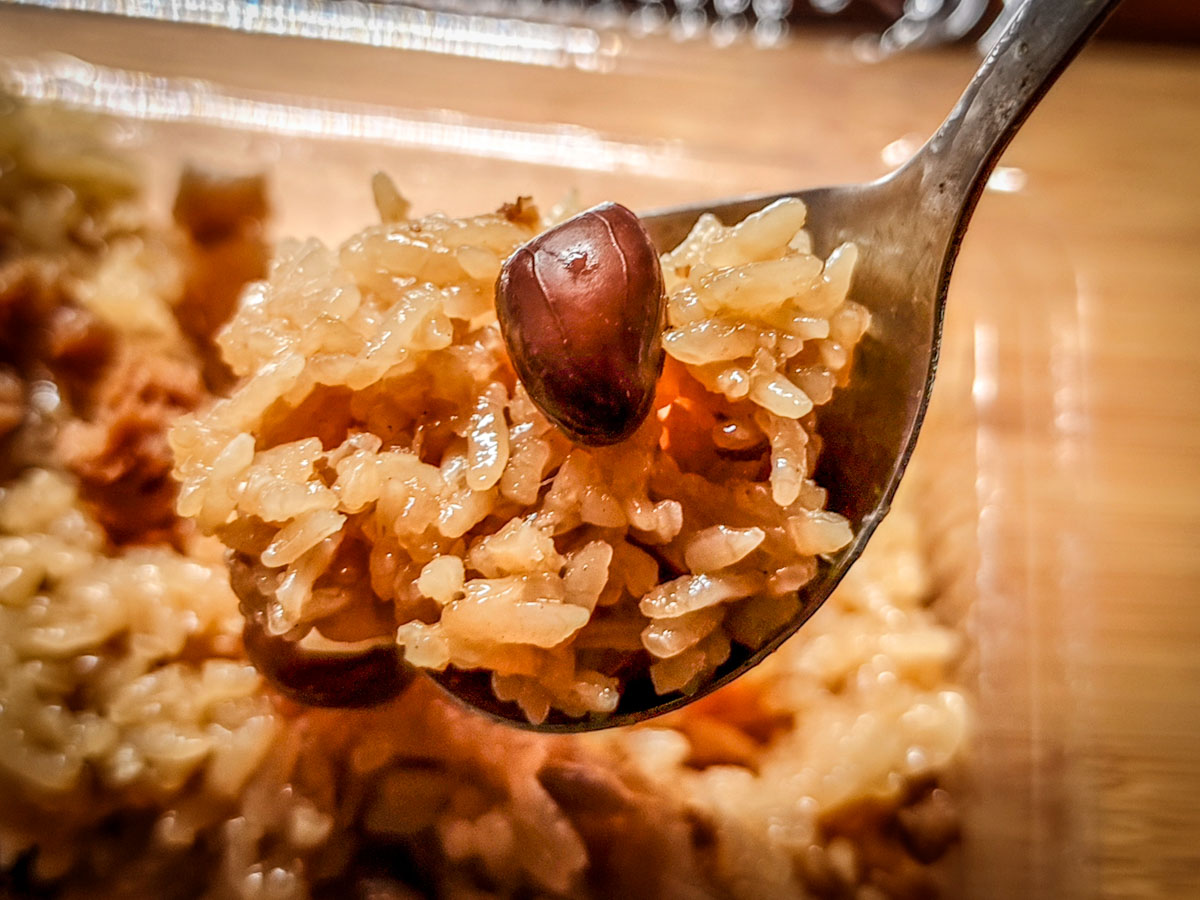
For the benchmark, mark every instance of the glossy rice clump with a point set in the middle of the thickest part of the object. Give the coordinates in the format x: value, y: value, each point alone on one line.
x: 388, y: 478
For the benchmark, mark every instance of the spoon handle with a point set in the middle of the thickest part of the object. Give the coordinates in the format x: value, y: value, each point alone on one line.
x: 1040, y: 41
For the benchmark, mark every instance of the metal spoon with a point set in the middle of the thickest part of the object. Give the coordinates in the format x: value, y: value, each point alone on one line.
x: 908, y: 227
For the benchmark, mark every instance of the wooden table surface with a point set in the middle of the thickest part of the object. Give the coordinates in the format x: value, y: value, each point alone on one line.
x: 1076, y: 308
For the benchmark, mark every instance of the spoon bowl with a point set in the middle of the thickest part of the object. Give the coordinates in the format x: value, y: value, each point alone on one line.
x: 908, y: 227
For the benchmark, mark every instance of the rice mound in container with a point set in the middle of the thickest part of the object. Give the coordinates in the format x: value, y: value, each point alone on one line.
x: 141, y: 754
x: 387, y: 475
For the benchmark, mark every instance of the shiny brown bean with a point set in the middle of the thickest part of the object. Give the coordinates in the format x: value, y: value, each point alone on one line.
x: 347, y: 680
x: 314, y: 678
x: 581, y: 308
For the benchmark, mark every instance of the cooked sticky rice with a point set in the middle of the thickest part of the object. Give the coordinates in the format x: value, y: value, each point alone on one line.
x: 378, y: 429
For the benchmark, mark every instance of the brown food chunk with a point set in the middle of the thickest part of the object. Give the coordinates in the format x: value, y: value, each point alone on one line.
x: 213, y: 207
x: 639, y: 843
x: 119, y: 402
x: 223, y: 217
x: 76, y: 345
x: 44, y: 334
x: 930, y: 825
x: 315, y: 678
x: 121, y: 454
x: 523, y: 211
x: 896, y: 840
x: 353, y: 679
x: 12, y: 400
x: 581, y: 308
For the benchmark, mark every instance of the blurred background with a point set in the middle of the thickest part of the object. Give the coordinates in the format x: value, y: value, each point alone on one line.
x: 1071, y: 386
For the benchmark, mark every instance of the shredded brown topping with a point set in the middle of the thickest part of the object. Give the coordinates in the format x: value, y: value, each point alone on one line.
x: 121, y: 453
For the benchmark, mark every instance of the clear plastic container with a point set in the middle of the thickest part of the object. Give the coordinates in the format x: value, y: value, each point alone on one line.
x: 652, y: 122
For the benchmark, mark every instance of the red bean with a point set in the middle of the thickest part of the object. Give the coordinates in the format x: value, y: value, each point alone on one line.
x: 312, y: 677
x: 581, y: 308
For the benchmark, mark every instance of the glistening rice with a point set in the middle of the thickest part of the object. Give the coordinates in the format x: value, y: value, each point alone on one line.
x: 379, y: 438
